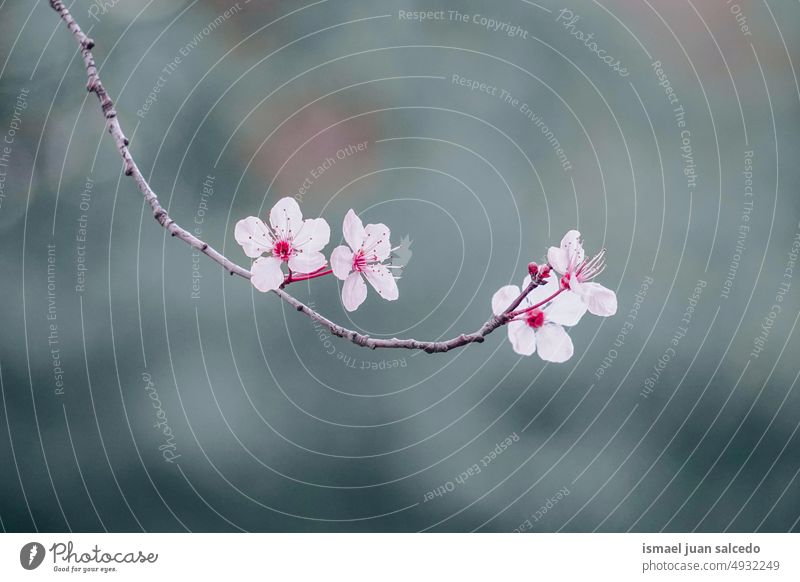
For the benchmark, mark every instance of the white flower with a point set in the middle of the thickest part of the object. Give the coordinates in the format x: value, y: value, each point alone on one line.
x: 570, y: 262
x: 369, y: 247
x: 540, y: 328
x: 287, y: 239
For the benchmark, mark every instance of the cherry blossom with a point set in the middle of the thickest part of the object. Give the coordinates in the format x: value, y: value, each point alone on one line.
x: 569, y: 261
x: 288, y: 239
x: 537, y: 325
x: 368, y: 247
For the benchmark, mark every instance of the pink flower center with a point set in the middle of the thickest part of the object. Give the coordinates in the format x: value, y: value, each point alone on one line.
x: 282, y: 250
x: 535, y: 318
x: 565, y: 281
x: 359, y: 261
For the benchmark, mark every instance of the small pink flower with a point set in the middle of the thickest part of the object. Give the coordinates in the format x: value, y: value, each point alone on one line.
x: 369, y: 247
x: 287, y: 239
x: 540, y: 329
x: 576, y: 272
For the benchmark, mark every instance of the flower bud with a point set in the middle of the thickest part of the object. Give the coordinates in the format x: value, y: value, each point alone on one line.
x: 544, y: 272
x: 533, y: 270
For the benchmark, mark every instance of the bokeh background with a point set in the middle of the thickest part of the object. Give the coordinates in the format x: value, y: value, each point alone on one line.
x: 680, y: 413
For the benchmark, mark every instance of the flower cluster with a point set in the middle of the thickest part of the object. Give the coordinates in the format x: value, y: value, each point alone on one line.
x: 547, y: 303
x: 553, y: 296
x: 298, y: 243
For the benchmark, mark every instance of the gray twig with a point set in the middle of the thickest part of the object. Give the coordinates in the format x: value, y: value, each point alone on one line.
x: 94, y: 85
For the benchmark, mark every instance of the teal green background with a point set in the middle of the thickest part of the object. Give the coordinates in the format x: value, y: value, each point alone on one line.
x: 277, y: 427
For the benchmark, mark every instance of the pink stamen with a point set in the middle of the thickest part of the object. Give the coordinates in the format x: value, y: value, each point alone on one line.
x: 366, y: 255
x: 591, y: 269
x: 359, y: 261
x: 282, y: 250
x: 368, y: 250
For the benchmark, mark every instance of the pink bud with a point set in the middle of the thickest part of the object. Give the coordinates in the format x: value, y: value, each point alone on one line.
x: 533, y: 270
x: 544, y: 273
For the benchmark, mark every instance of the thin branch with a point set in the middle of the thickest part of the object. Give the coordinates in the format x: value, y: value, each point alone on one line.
x: 95, y: 86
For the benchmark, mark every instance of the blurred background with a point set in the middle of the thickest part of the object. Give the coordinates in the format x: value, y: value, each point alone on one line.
x: 143, y: 389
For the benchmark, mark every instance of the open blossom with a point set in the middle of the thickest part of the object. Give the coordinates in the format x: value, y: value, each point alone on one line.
x: 540, y: 329
x: 368, y: 247
x: 287, y: 239
x: 569, y: 261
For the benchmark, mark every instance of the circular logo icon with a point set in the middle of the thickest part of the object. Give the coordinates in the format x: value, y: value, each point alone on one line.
x: 31, y: 555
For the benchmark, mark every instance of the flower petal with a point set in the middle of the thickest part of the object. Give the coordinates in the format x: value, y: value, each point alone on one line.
x: 313, y: 235
x: 554, y: 343
x: 353, y: 230
x: 307, y: 262
x: 267, y: 274
x: 542, y: 292
x: 566, y: 309
x: 252, y: 234
x: 376, y: 243
x: 522, y: 338
x: 286, y: 217
x: 342, y: 262
x: 558, y: 259
x: 354, y: 291
x: 600, y: 300
x: 503, y: 297
x: 571, y: 243
x: 382, y: 281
